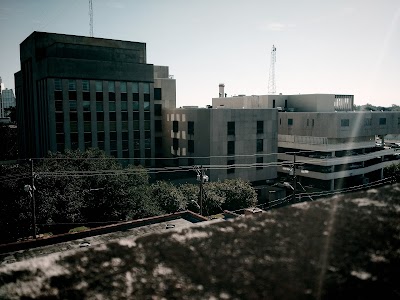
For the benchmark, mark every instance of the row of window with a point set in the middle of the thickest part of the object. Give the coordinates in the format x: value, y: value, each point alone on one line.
x: 367, y: 122
x: 231, y: 146
x: 111, y: 87
x: 230, y: 126
x: 343, y: 122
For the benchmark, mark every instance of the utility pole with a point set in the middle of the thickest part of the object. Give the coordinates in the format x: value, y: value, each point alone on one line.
x: 294, y: 178
x: 32, y: 192
x: 201, y: 177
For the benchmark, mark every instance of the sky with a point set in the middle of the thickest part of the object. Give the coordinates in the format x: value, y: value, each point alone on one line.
x: 338, y: 47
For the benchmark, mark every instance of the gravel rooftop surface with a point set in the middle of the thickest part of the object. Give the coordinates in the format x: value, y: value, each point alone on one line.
x: 344, y: 247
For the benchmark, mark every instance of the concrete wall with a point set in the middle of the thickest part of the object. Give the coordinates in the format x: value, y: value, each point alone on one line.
x: 329, y: 125
x: 211, y: 140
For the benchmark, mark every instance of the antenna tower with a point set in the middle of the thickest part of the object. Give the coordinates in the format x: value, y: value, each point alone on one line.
x: 271, y: 81
x: 91, y: 18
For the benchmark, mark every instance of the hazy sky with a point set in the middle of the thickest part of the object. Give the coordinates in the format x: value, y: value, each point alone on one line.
x: 340, y: 46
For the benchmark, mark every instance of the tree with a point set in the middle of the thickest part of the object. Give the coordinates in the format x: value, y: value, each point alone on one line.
x: 392, y: 171
x: 168, y: 197
x: 73, y: 187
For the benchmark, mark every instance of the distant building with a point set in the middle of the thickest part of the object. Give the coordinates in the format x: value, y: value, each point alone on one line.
x: 231, y: 143
x: 76, y: 92
x: 335, y: 146
x: 7, y: 100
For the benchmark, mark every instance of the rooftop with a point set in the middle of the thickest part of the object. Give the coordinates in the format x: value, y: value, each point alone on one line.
x: 346, y: 246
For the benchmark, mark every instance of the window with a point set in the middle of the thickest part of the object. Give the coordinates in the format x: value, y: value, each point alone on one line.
x: 57, y: 84
x: 86, y: 105
x: 345, y: 122
x: 99, y: 86
x: 124, y: 105
x: 113, y: 116
x: 85, y: 86
x: 71, y: 85
x: 124, y: 125
x: 58, y: 95
x: 87, y: 116
x: 175, y: 126
x: 231, y: 128
x: 146, y: 105
x: 260, y: 126
x: 87, y: 127
x: 175, y: 144
x: 285, y: 103
x: 100, y: 136
x: 73, y: 126
x: 146, y: 88
x: 157, y: 109
x: 124, y: 116
x: 99, y: 96
x: 135, y: 115
x: 312, y: 124
x: 59, y: 105
x: 146, y: 125
x: 86, y: 96
x: 135, y: 105
x: 157, y: 94
x: 111, y: 86
x: 157, y: 125
x: 135, y: 87
x: 72, y: 105
x: 290, y: 122
x: 260, y: 145
x: 259, y: 161
x: 190, y: 127
x: 273, y: 103
x: 398, y: 121
x: 136, y: 134
x: 158, y: 142
x: 122, y: 87
x: 190, y: 146
x: 111, y: 96
x: 100, y: 125
x: 231, y: 147
x: 111, y: 106
x: 147, y: 115
x: 72, y: 95
x: 113, y: 125
x: 368, y: 122
x: 230, y: 166
x: 382, y: 121
x: 99, y: 106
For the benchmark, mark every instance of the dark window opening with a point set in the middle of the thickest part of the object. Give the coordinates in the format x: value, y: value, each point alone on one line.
x: 190, y: 127
x: 157, y: 93
x: 290, y: 122
x: 260, y: 126
x: 190, y: 146
x: 259, y: 161
x: 158, y: 125
x: 260, y: 145
x: 231, y: 148
x: 230, y: 168
x: 175, y: 143
x: 157, y: 109
x: 175, y: 126
x: 231, y: 128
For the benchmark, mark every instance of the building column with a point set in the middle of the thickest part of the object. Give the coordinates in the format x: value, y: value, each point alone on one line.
x: 332, y: 184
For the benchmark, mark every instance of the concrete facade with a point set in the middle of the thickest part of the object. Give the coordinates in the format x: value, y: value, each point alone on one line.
x: 230, y: 143
x: 7, y: 100
x: 77, y: 92
x: 334, y: 145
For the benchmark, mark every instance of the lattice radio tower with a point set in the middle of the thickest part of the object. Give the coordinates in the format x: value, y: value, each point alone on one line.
x: 271, y: 81
x: 91, y: 18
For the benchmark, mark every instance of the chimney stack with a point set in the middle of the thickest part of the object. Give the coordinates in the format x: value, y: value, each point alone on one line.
x: 221, y: 90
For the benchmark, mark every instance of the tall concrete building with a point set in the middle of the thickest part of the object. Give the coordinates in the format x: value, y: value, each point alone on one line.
x: 76, y: 92
x: 7, y: 100
x: 334, y: 145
